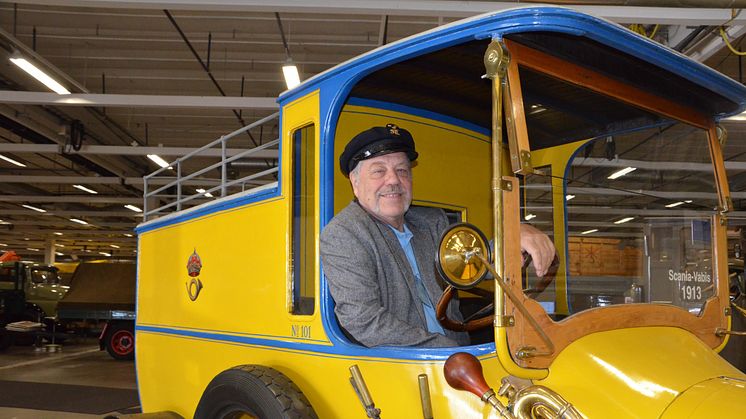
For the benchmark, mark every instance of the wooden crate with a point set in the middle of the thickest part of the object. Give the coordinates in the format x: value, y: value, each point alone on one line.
x: 597, y: 256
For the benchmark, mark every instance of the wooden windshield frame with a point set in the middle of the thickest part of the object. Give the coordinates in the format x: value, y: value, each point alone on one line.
x: 520, y: 335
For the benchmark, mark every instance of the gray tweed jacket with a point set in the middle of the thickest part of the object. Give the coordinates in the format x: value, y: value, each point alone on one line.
x: 372, y: 283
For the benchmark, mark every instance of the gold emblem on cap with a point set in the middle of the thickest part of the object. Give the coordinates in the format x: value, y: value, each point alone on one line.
x: 393, y: 129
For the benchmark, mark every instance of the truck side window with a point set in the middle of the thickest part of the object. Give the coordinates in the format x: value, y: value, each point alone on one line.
x: 304, y: 220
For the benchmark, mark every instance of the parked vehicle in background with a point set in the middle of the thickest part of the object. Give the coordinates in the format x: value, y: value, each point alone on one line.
x: 28, y: 292
x: 102, y: 299
x: 66, y: 270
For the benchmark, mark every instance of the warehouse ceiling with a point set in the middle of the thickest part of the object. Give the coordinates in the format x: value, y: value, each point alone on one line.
x: 168, y: 77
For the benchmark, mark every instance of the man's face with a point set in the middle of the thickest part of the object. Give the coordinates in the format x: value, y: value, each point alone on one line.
x: 383, y: 186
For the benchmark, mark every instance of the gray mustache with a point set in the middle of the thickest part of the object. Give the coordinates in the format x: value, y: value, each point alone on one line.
x: 393, y: 189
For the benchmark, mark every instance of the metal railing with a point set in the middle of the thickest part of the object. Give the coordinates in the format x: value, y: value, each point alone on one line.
x: 178, y: 201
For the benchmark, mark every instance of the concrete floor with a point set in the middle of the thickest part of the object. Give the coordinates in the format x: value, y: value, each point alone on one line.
x: 79, y: 363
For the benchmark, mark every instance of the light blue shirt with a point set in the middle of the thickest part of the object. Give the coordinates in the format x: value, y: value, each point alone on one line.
x: 405, y: 240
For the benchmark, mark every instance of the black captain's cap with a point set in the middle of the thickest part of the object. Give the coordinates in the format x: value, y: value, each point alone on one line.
x: 376, y: 141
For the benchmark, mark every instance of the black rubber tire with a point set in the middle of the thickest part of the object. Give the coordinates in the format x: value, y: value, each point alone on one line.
x: 260, y: 391
x: 120, y: 341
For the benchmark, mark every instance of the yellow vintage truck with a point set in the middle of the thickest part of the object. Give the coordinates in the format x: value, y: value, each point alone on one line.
x: 600, y: 137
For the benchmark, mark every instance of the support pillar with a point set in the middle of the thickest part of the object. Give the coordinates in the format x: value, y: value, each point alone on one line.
x: 50, y: 247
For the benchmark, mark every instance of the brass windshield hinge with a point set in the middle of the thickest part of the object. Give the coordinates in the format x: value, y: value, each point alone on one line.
x: 723, y: 209
x: 502, y: 185
x: 526, y: 352
x: 504, y: 321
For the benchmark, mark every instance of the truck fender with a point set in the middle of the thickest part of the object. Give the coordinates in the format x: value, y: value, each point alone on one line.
x: 256, y: 390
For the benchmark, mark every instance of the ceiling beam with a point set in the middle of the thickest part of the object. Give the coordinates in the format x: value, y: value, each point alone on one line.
x: 653, y: 165
x: 71, y: 234
x: 111, y: 180
x: 577, y: 210
x: 65, y: 244
x: 103, y: 213
x: 28, y: 117
x: 79, y: 199
x: 130, y: 151
x: 713, y: 42
x: 138, y: 101
x: 61, y: 223
x: 71, y: 180
x: 637, y: 192
x: 619, y: 14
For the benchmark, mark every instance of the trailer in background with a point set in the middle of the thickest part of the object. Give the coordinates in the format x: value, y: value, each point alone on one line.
x: 102, y: 299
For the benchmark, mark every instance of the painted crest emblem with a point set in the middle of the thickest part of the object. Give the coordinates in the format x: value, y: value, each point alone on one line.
x: 194, y: 264
x: 194, y: 285
x: 393, y: 129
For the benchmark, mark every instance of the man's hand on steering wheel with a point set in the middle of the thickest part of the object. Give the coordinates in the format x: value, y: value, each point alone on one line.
x: 539, y: 246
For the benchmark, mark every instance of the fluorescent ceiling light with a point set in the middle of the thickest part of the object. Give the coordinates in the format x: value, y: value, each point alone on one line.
x: 60, y: 245
x: 57, y: 233
x: 529, y: 217
x: 133, y: 208
x: 3, y: 244
x: 624, y: 220
x: 26, y: 66
x: 202, y: 191
x: 32, y: 249
x: 620, y: 173
x: 158, y: 160
x: 75, y: 220
x: 114, y: 246
x: 676, y: 204
x: 84, y: 189
x: 34, y: 208
x: 104, y: 253
x: 128, y: 234
x: 9, y: 160
x: 59, y: 254
x: 569, y: 197
x: 290, y: 71
x: 590, y: 231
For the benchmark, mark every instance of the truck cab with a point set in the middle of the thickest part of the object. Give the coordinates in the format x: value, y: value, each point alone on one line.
x: 30, y: 291
x: 603, y: 139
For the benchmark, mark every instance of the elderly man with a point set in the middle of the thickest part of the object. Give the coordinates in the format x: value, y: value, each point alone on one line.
x: 378, y: 253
